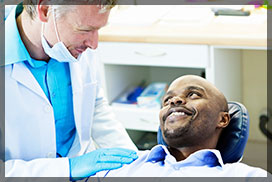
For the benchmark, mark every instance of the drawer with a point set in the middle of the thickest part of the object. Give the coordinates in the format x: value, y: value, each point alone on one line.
x: 151, y: 54
x: 137, y: 118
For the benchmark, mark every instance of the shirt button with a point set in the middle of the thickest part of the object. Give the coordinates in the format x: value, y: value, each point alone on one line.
x: 176, y: 168
x: 47, y: 108
x: 53, y: 94
x: 50, y: 155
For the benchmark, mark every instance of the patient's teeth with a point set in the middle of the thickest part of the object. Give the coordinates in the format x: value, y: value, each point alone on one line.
x: 177, y: 114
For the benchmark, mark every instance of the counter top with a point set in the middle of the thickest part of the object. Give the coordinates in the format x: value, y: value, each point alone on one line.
x: 217, y: 30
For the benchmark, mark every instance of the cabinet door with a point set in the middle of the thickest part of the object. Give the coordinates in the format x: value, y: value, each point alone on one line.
x: 138, y: 118
x: 225, y: 72
x: 150, y: 54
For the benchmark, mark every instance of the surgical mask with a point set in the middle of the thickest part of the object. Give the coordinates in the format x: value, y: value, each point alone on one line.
x: 58, y: 52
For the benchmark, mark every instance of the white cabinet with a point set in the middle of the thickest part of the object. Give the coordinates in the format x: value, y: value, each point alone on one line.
x: 148, y: 54
x: 124, y: 64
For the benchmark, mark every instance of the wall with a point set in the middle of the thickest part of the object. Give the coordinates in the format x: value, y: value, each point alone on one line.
x: 254, y: 88
x: 254, y: 97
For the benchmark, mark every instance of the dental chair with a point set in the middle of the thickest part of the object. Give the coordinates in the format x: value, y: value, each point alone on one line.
x: 233, y: 138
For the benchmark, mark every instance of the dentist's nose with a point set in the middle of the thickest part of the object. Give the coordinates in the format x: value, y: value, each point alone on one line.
x: 92, y: 40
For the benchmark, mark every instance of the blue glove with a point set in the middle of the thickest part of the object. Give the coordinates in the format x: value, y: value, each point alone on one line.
x: 99, y: 160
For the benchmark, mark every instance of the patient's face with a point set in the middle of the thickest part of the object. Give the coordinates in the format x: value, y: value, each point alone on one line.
x: 190, y: 111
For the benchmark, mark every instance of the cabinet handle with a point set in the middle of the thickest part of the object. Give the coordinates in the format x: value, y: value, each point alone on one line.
x: 148, y: 121
x: 150, y: 53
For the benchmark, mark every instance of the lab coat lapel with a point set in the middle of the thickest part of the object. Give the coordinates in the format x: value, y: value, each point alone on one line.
x: 77, y: 94
x: 21, y: 74
x: 84, y: 96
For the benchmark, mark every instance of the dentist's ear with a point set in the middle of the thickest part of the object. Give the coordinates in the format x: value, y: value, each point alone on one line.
x: 224, y: 120
x: 42, y: 10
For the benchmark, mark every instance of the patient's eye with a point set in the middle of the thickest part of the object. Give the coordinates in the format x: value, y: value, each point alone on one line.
x: 166, y: 100
x: 194, y: 95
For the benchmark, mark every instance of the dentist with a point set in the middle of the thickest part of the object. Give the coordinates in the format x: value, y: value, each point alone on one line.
x: 54, y: 107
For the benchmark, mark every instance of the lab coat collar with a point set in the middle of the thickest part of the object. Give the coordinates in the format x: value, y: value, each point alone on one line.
x: 23, y: 75
x: 15, y: 50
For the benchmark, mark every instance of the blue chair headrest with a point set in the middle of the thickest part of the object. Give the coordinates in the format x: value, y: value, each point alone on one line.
x: 233, y: 138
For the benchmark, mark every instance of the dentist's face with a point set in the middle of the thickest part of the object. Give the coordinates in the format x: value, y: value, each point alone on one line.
x: 190, y: 112
x: 77, y: 29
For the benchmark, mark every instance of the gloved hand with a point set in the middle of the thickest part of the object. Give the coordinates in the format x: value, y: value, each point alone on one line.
x: 99, y: 160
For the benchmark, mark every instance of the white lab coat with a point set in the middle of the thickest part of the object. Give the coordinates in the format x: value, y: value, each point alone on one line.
x: 30, y: 139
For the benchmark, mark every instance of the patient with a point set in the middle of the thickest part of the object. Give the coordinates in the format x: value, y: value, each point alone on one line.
x: 193, y: 114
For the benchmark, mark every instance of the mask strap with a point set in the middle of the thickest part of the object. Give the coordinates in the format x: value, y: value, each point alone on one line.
x: 42, y: 28
x: 54, y: 20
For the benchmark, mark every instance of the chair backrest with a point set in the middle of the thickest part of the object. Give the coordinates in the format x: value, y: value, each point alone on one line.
x: 234, y: 137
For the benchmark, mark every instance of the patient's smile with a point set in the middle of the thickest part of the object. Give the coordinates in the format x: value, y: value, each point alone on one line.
x: 175, y: 116
x: 178, y: 111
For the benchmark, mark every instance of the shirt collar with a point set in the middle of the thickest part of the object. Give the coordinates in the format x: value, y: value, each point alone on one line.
x: 157, y: 153
x: 208, y: 157
x: 15, y: 50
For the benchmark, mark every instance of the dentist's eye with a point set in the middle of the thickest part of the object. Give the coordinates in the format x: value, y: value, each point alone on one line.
x: 85, y: 31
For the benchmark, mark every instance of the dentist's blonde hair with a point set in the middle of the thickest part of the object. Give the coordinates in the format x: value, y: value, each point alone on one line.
x: 31, y: 5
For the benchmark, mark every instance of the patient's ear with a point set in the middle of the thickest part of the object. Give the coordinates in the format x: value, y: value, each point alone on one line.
x: 224, y: 120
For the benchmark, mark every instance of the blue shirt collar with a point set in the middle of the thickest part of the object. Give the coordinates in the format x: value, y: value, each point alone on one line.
x: 15, y: 50
x: 208, y: 157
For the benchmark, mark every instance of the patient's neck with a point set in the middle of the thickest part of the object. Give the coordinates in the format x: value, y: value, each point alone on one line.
x: 184, y: 149
x: 182, y: 153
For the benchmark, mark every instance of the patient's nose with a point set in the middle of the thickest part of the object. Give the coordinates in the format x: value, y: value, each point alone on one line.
x: 176, y: 101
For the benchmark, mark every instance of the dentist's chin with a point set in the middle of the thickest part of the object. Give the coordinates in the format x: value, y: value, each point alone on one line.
x: 75, y: 53
x: 80, y: 51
